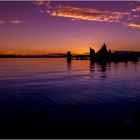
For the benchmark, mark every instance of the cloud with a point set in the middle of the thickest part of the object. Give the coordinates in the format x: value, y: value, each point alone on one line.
x: 16, y: 21
x: 2, y: 21
x: 132, y: 15
x: 134, y: 25
x: 39, y: 2
x: 90, y: 14
x: 138, y: 8
x: 13, y: 21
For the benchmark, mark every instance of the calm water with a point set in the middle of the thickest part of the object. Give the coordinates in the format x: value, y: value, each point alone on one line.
x: 52, y: 92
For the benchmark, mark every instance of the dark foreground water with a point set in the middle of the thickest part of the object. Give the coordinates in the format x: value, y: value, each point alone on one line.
x: 51, y: 98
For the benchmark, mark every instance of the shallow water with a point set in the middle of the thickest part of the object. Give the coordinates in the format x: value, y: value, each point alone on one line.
x: 78, y: 94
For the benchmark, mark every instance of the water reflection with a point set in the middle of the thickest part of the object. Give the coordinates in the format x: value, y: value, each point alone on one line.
x: 103, y: 68
x: 65, y: 92
x: 135, y: 64
x: 99, y: 68
x: 125, y: 63
x: 92, y: 66
x: 68, y: 65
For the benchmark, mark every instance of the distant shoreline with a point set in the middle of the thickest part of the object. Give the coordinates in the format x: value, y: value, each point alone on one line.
x: 59, y: 55
x: 32, y: 56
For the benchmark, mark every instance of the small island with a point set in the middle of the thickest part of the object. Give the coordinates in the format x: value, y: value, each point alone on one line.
x: 105, y: 55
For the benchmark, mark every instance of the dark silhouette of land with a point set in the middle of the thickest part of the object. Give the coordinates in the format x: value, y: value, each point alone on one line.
x: 92, y: 54
x: 105, y: 55
x: 34, y: 56
x: 69, y: 56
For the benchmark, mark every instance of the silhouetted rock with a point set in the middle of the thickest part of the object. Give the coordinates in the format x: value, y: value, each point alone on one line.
x: 69, y: 56
x: 124, y: 56
x: 92, y: 54
x: 103, y: 54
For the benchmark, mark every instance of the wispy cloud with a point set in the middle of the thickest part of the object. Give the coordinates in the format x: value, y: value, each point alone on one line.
x: 86, y: 14
x: 81, y: 13
x: 16, y: 21
x: 138, y: 8
x: 12, y: 21
x: 92, y: 14
x: 2, y: 21
x: 39, y: 2
x: 134, y: 25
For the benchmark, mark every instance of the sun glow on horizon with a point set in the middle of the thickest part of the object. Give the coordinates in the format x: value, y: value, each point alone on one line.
x: 78, y: 50
x: 75, y: 27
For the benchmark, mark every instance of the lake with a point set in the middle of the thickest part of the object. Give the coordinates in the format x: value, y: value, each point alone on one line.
x: 53, y: 94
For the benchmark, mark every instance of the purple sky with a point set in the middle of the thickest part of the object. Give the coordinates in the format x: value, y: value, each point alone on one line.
x: 56, y: 27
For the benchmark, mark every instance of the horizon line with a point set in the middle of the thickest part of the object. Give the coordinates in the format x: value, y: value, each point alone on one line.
x: 61, y: 54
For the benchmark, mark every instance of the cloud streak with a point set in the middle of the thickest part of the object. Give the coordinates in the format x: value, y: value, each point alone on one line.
x: 2, y: 21
x: 134, y: 25
x: 13, y: 21
x: 16, y: 21
x: 138, y: 8
x: 39, y: 2
x: 92, y: 14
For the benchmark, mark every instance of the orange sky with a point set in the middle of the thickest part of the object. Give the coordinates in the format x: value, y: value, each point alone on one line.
x: 57, y: 27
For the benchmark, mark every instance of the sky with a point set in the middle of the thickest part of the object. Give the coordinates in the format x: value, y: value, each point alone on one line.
x: 44, y: 27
